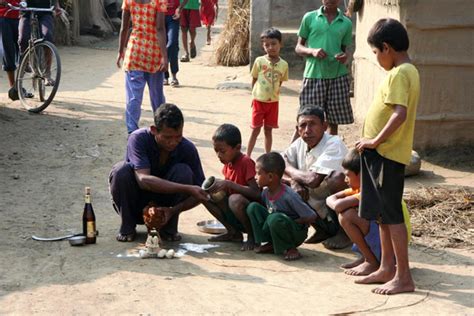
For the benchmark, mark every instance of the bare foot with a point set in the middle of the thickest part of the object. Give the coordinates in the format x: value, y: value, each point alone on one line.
x: 317, y: 237
x: 379, y: 276
x: 352, y: 264
x: 235, y: 236
x: 340, y: 241
x: 249, y: 244
x: 292, y: 254
x: 267, y: 248
x: 364, y: 268
x: 395, y: 286
x: 175, y: 237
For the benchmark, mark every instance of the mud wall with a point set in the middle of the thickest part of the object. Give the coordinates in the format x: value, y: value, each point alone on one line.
x: 441, y: 46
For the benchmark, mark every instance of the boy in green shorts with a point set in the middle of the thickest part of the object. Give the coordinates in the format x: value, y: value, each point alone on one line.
x: 282, y: 224
x: 239, y: 184
x: 386, y: 150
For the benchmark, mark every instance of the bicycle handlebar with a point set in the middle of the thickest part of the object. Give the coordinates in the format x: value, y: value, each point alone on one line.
x: 29, y: 9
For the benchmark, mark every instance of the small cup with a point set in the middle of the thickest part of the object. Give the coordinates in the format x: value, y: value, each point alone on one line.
x: 207, y: 186
x: 77, y: 240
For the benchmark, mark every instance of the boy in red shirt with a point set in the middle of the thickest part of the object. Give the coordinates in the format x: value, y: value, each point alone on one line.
x: 239, y: 184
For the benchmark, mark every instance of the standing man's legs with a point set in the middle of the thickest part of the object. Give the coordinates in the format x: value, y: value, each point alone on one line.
x: 155, y: 87
x: 338, y: 104
x: 184, y: 38
x: 172, y: 46
x: 134, y: 86
x: 9, y: 31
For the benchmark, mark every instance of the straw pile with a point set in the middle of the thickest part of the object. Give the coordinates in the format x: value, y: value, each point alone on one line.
x: 233, y: 44
x: 442, y: 217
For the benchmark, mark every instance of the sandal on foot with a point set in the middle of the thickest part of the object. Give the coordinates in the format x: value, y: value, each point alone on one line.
x: 193, y: 51
x: 184, y: 59
x: 174, y: 83
x: 166, y: 82
x: 126, y: 237
x: 176, y: 237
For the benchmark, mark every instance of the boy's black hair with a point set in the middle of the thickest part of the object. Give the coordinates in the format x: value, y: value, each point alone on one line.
x: 168, y: 115
x: 311, y: 110
x: 271, y: 33
x: 272, y: 162
x: 229, y: 134
x: 351, y: 161
x: 389, y: 31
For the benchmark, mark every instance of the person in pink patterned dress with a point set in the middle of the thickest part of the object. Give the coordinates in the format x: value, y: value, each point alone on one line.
x: 145, y: 58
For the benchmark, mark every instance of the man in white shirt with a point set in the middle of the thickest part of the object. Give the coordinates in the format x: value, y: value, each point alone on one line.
x: 314, y: 170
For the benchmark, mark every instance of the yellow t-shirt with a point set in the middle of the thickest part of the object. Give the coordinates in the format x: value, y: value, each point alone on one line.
x: 269, y: 77
x: 400, y: 87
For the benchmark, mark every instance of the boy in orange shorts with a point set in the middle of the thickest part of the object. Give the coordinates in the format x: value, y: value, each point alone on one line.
x: 268, y: 73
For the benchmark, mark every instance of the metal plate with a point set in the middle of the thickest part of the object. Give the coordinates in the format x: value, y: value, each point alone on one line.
x: 211, y: 226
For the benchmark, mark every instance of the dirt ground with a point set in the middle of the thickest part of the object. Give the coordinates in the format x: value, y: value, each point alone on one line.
x: 46, y: 160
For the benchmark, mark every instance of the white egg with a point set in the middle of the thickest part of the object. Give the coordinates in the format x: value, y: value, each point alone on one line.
x: 162, y: 253
x: 143, y: 253
x: 170, y: 254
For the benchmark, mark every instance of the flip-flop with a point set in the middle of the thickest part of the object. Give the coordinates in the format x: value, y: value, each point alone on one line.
x: 193, y: 51
x: 184, y: 59
x: 297, y: 255
x: 126, y: 237
x: 166, y: 82
x: 174, y: 83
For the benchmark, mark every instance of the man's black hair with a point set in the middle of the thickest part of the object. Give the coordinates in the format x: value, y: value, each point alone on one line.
x: 389, y: 31
x: 271, y: 33
x: 228, y: 134
x: 272, y: 162
x: 168, y: 115
x: 351, y: 161
x: 311, y: 110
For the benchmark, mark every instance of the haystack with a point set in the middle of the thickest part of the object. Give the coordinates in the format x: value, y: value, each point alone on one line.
x: 233, y: 45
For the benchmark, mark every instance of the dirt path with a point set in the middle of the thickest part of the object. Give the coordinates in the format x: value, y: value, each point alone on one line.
x: 46, y: 160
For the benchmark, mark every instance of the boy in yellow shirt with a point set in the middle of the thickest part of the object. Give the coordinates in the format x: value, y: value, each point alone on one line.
x: 268, y: 73
x: 385, y: 150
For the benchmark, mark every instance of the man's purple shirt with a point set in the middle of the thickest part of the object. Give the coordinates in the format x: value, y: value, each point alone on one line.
x: 144, y: 153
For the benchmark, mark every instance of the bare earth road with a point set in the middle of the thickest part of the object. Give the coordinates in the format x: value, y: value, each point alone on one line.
x: 46, y: 160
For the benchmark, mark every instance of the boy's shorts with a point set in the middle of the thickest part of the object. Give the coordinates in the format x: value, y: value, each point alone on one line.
x: 264, y: 114
x: 190, y: 19
x: 382, y: 182
x: 330, y: 94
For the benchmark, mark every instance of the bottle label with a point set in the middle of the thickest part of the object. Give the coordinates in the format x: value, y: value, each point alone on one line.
x: 87, y: 198
x: 91, y: 229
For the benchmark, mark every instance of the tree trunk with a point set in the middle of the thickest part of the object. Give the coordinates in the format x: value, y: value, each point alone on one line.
x: 93, y: 19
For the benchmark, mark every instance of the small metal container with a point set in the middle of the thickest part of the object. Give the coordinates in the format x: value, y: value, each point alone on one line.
x: 207, y: 186
x: 77, y: 240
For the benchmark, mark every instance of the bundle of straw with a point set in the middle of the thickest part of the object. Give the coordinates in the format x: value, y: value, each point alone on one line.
x: 233, y: 44
x: 444, y: 217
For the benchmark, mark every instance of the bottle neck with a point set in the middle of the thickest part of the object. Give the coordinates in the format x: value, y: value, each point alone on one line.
x: 88, y: 199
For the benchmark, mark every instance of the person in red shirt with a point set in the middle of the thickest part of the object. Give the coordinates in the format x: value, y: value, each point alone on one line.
x: 9, y: 30
x: 239, y: 184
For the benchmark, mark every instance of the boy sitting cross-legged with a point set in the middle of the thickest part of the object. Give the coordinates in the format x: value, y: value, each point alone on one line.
x: 283, y: 222
x: 363, y: 233
x: 239, y: 184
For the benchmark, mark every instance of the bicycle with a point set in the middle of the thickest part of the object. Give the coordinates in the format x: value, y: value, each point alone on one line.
x: 39, y: 73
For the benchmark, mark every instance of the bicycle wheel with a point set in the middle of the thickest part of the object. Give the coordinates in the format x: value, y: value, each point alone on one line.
x: 38, y: 76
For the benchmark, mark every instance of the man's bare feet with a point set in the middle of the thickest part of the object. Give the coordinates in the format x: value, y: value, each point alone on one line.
x: 267, y: 248
x: 352, y: 264
x: 229, y: 236
x: 395, y: 286
x: 379, y: 276
x: 249, y: 244
x: 340, y: 241
x: 292, y: 254
x: 317, y: 237
x: 365, y: 268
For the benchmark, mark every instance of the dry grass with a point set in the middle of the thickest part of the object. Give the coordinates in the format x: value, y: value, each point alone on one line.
x: 442, y: 217
x: 233, y: 44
